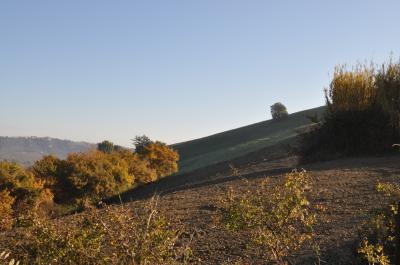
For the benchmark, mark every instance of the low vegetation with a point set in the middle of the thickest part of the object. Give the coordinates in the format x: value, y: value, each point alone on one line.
x: 279, y: 218
x: 381, y: 243
x: 103, y: 236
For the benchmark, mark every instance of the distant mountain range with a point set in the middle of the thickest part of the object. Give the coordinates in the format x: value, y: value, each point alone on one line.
x: 27, y: 150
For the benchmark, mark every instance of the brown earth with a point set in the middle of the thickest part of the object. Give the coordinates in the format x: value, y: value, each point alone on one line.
x: 343, y: 189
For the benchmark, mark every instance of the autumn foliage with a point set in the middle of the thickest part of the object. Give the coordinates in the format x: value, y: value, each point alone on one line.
x: 85, y: 177
x: 363, y: 113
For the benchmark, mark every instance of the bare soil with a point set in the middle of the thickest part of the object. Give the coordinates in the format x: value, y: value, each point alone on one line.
x: 343, y: 189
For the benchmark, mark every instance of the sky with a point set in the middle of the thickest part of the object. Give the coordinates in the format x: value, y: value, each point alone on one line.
x: 90, y: 70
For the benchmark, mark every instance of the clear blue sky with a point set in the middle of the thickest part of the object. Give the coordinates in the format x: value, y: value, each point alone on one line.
x: 175, y: 70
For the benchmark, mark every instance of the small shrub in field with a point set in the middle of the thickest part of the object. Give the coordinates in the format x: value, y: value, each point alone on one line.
x: 162, y: 158
x: 373, y: 254
x: 45, y: 243
x: 278, y: 218
x: 6, y: 210
x: 381, y: 233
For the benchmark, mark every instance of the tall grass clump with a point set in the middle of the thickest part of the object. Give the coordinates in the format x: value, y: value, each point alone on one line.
x: 362, y: 116
x: 351, y: 90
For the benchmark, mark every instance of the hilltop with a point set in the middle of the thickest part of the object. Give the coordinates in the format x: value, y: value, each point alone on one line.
x: 239, y: 142
x: 194, y: 154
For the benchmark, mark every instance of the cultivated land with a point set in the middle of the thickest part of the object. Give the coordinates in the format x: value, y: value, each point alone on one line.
x: 344, y: 191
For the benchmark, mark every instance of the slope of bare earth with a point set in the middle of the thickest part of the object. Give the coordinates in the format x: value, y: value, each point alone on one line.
x: 343, y: 189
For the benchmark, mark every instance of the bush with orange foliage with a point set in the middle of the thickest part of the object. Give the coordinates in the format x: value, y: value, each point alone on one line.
x: 95, y: 175
x: 162, y: 158
x: 138, y: 167
x: 21, y: 191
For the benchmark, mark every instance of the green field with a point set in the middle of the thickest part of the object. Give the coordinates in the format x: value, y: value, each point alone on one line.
x: 238, y: 142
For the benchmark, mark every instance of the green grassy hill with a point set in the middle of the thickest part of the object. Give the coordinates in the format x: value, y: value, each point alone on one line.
x: 241, y: 141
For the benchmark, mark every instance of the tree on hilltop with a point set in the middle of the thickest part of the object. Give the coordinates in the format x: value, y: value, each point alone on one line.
x: 278, y: 111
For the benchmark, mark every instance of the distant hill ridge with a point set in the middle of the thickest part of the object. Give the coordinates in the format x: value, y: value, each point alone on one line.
x: 238, y: 142
x: 27, y: 150
x: 195, y: 154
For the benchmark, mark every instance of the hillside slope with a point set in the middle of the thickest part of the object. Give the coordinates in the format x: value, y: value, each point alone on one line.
x: 241, y: 141
x: 27, y: 150
x: 343, y: 189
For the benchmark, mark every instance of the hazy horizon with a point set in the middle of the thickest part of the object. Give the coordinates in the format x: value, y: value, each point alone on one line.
x: 177, y: 70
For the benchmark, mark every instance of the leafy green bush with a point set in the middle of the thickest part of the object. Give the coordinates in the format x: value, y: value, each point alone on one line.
x: 277, y: 218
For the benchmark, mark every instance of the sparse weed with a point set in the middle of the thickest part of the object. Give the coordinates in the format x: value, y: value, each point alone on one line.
x: 279, y: 219
x: 381, y: 239
x: 104, y: 236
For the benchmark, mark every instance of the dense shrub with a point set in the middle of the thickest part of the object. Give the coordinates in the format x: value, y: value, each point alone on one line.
x: 362, y: 117
x: 28, y: 191
x: 89, y: 176
x: 277, y: 218
x: 53, y: 172
x: 6, y: 210
x: 96, y: 175
x: 162, y: 158
x: 351, y: 90
x: 388, y: 91
x: 138, y: 167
